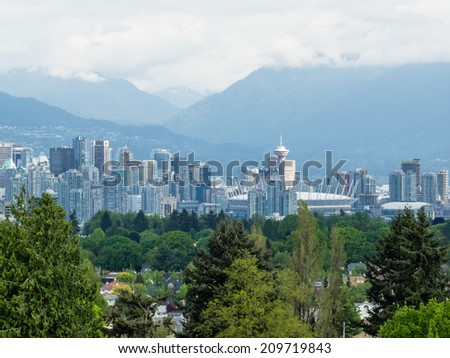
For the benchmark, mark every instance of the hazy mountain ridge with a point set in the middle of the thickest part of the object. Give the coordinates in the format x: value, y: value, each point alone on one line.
x: 116, y: 100
x: 182, y: 97
x: 374, y: 116
x: 27, y: 121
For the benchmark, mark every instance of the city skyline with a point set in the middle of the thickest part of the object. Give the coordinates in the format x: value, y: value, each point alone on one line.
x: 165, y: 181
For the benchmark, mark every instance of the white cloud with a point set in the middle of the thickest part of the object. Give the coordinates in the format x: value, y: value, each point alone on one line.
x: 211, y: 44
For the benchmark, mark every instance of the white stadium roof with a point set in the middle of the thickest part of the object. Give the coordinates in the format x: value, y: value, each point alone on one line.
x: 413, y: 205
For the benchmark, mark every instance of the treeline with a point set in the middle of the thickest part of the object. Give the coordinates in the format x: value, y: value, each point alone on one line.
x: 258, y: 278
x: 117, y: 241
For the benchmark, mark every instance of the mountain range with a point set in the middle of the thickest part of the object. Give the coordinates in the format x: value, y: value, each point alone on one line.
x: 372, y: 116
x: 112, y: 99
x: 29, y: 122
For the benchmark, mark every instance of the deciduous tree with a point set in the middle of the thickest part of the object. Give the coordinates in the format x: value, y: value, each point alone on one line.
x: 248, y: 307
x: 336, y: 309
x: 306, y: 266
x: 431, y: 320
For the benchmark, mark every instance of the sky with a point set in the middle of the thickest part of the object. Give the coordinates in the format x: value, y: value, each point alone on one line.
x: 207, y: 45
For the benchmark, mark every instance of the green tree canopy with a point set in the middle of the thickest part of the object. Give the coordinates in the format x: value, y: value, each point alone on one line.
x: 205, y: 276
x: 287, y: 226
x: 45, y: 290
x: 132, y: 316
x: 248, y: 307
x: 118, y: 253
x: 306, y: 266
x: 336, y: 308
x: 140, y: 222
x: 406, y: 269
x: 431, y: 320
x: 172, y: 251
x: 356, y: 245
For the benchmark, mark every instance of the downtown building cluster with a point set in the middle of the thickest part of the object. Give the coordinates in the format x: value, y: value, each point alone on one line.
x: 408, y: 186
x: 86, y: 177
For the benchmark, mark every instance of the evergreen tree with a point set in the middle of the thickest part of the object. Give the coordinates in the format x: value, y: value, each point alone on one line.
x: 74, y: 222
x: 105, y: 221
x: 406, y: 269
x: 211, y: 220
x: 221, y: 216
x: 132, y: 316
x: 206, y: 276
x: 336, y: 310
x: 248, y: 307
x: 140, y: 222
x: 45, y: 289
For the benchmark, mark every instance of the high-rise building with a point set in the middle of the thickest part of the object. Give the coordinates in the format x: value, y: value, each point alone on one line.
x: 6, y: 152
x: 74, y: 194
x: 22, y: 156
x: 412, y: 165
x: 61, y: 159
x: 442, y: 185
x: 410, y: 186
x: 113, y: 197
x: 364, y: 188
x: 100, y: 152
x: 274, y: 189
x: 39, y: 176
x: 134, y: 203
x: 286, y: 168
x: 7, y: 173
x: 168, y: 205
x: 149, y: 172
x: 397, y: 186
x: 162, y: 158
x: 152, y: 196
x: 124, y: 156
x: 288, y: 203
x: 257, y: 203
x: 80, y: 152
x: 429, y: 188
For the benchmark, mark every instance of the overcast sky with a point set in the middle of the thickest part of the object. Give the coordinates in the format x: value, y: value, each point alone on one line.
x: 208, y: 45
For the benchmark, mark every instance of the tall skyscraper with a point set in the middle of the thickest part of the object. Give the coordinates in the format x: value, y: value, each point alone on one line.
x: 6, y: 152
x: 412, y: 165
x: 80, y: 152
x: 410, y: 186
x: 100, y: 153
x: 442, y: 185
x: 162, y: 158
x: 365, y: 189
x: 125, y: 157
x: 429, y: 188
x: 61, y: 159
x: 286, y: 167
x: 274, y: 190
x: 397, y: 186
x: 257, y: 203
x: 288, y: 203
